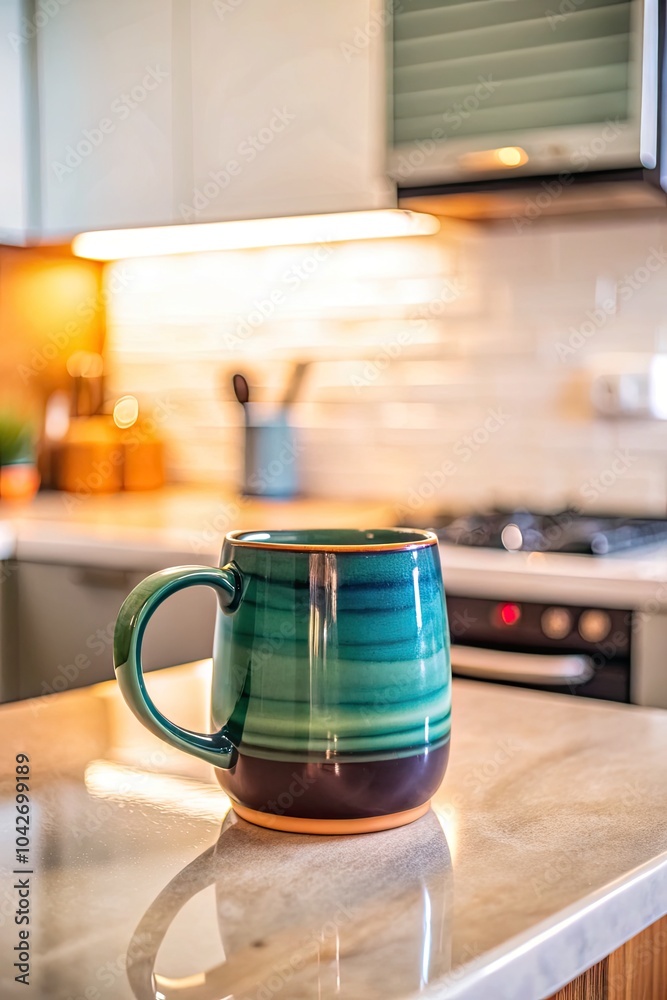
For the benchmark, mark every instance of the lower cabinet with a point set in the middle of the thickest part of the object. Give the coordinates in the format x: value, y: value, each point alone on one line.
x: 63, y: 625
x: 635, y: 971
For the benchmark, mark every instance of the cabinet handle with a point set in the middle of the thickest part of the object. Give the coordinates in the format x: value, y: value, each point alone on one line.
x: 522, y: 668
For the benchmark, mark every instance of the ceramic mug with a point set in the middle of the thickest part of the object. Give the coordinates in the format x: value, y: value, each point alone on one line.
x: 331, y: 695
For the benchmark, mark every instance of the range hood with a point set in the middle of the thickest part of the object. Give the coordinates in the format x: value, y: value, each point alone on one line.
x: 527, y: 108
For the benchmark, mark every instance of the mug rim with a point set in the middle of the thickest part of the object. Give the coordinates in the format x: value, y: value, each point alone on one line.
x: 418, y: 539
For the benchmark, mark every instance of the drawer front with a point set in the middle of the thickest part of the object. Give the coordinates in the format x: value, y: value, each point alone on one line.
x: 65, y: 622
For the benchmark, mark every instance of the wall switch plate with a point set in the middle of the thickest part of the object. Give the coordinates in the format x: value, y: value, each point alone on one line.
x: 630, y: 385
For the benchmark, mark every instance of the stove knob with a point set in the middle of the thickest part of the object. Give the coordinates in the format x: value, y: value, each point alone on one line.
x: 594, y: 626
x: 556, y: 623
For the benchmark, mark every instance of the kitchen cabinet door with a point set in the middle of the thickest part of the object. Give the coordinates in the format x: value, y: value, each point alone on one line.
x: 287, y: 108
x: 65, y: 623
x: 14, y: 124
x: 108, y: 125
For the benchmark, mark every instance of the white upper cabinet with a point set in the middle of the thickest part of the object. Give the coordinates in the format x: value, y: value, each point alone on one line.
x: 14, y: 124
x: 105, y: 71
x: 146, y: 112
x: 288, y: 108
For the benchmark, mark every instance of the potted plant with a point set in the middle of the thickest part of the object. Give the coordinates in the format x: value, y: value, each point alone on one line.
x: 19, y: 478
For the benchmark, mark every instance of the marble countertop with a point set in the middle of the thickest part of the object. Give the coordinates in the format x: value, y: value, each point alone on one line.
x: 181, y: 524
x: 545, y: 849
x: 177, y: 524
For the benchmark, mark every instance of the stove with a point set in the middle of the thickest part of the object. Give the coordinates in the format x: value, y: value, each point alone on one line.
x: 567, y: 531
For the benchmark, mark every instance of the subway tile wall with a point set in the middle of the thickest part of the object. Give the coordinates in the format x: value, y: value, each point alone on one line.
x: 453, y: 370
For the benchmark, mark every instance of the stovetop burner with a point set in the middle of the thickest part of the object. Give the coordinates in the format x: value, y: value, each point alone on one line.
x: 566, y: 531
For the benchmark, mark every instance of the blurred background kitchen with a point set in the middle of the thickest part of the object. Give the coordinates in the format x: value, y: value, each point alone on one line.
x: 432, y: 240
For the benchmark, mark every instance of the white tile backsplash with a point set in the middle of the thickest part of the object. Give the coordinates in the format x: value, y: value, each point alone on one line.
x: 420, y: 348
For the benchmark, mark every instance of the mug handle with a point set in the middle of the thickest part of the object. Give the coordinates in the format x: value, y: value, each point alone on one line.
x: 145, y: 943
x: 215, y: 748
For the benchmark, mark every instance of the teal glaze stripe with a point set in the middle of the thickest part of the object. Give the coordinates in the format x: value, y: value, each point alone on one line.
x: 283, y: 578
x: 349, y: 633
x: 358, y: 720
x: 420, y: 647
x: 388, y: 723
x: 354, y: 695
x: 373, y: 700
x: 405, y: 732
x: 305, y: 757
x: 416, y: 737
x: 351, y: 598
x: 293, y: 672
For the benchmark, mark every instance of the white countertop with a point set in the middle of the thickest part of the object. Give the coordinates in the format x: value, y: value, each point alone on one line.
x: 545, y: 850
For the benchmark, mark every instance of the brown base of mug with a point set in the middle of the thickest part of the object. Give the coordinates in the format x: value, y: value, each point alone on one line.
x: 338, y: 790
x: 330, y: 827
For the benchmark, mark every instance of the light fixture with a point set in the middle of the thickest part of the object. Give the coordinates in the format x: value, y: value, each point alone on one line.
x: 511, y: 156
x: 505, y: 157
x: 114, y: 244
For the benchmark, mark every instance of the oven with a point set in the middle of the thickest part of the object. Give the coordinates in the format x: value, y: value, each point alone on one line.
x: 572, y: 649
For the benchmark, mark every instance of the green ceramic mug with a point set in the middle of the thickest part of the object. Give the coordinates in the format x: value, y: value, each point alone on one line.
x: 331, y: 695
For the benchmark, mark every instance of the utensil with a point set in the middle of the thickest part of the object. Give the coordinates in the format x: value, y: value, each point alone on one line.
x: 294, y: 384
x: 242, y: 392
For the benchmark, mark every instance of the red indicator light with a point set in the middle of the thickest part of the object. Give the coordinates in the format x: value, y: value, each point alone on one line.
x: 509, y: 614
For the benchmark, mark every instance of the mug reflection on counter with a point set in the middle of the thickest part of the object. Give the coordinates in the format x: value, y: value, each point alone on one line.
x: 318, y: 916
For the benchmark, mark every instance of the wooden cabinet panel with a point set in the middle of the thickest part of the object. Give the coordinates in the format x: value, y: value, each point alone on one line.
x: 635, y: 971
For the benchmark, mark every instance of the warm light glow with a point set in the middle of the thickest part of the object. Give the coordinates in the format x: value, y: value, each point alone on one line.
x: 509, y: 614
x: 491, y: 159
x: 113, y: 244
x: 447, y: 817
x: 125, y: 411
x: 511, y: 156
x: 85, y: 364
x: 186, y: 796
x: 56, y: 416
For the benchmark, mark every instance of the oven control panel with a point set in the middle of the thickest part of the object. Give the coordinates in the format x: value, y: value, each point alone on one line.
x: 602, y: 633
